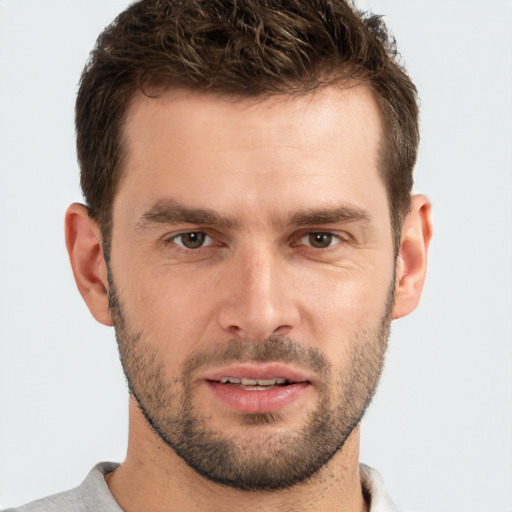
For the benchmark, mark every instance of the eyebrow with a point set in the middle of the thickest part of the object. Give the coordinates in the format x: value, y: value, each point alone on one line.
x: 330, y: 215
x: 171, y: 212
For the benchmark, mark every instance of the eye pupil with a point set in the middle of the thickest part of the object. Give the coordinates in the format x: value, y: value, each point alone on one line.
x: 320, y: 240
x: 193, y: 240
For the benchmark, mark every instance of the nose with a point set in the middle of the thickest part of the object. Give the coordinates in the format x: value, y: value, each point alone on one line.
x: 258, y: 296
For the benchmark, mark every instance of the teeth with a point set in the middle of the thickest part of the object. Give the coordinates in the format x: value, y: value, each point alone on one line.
x: 225, y: 380
x: 252, y: 382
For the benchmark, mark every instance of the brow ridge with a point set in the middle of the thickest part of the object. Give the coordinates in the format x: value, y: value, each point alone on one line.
x: 330, y: 215
x: 172, y: 212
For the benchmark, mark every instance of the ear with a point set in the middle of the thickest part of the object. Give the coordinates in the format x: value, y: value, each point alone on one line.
x: 412, y: 260
x: 84, y: 245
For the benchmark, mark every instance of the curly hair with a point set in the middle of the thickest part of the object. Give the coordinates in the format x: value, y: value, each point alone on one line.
x: 243, y: 48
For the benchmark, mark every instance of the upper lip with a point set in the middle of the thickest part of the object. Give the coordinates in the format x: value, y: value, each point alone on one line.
x: 258, y: 371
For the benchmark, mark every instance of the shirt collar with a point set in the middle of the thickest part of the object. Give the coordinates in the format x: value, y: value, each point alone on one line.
x: 373, y: 488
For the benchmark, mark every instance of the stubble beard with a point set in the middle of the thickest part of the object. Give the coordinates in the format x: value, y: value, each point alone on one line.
x: 257, y: 461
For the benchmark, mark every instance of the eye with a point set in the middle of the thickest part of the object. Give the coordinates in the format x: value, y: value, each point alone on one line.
x: 320, y: 240
x: 191, y: 240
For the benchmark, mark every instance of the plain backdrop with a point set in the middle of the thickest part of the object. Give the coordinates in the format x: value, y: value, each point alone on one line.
x: 439, y: 429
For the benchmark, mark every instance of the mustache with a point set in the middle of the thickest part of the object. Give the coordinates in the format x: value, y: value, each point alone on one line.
x: 274, y: 348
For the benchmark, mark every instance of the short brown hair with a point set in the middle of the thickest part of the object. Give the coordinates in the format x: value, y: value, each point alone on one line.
x: 246, y: 48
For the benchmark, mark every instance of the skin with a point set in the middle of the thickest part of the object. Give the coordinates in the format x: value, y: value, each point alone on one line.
x: 259, y: 165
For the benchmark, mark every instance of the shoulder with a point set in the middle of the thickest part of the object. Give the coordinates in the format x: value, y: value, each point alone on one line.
x: 92, y: 495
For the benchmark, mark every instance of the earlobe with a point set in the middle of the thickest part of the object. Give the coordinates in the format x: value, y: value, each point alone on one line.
x: 83, y: 242
x: 412, y: 261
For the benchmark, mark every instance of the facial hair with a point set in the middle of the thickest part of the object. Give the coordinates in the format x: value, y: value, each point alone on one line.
x: 267, y: 458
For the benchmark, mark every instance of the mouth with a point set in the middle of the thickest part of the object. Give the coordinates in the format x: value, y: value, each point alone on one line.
x: 257, y: 389
x: 256, y: 384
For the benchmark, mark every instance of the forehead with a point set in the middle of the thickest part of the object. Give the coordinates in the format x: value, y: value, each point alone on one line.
x: 207, y: 116
x: 206, y: 149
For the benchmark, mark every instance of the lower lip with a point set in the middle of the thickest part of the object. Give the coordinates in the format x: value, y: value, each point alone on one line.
x: 257, y: 401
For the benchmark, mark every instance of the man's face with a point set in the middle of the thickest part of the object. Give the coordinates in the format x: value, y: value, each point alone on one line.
x: 252, y: 276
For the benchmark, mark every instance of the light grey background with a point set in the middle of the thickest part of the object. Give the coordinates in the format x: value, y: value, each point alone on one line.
x: 440, y: 428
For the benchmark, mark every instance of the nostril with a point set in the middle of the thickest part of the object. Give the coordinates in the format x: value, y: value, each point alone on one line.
x: 234, y: 329
x: 282, y: 329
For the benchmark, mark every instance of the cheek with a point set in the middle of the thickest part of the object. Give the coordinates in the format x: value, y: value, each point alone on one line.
x: 170, y: 309
x: 346, y: 306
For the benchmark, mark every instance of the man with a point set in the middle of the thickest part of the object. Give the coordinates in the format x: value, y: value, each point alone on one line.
x: 250, y: 233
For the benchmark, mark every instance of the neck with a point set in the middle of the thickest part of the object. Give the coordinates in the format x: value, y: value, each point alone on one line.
x: 153, y: 478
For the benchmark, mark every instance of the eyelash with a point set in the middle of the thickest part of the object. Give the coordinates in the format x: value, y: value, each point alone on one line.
x: 339, y: 238
x: 173, y: 240
x: 319, y: 234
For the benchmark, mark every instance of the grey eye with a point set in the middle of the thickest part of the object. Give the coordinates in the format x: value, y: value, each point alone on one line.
x: 320, y: 240
x: 192, y: 240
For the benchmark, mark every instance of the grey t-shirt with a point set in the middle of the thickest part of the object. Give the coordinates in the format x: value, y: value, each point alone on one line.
x: 93, y: 495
